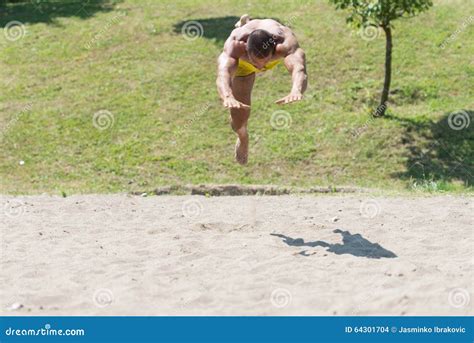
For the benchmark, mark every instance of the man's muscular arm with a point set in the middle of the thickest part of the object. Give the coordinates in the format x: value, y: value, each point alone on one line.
x: 296, y: 65
x: 295, y: 62
x: 226, y: 67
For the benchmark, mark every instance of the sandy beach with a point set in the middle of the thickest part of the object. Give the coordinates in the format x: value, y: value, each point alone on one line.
x: 242, y: 255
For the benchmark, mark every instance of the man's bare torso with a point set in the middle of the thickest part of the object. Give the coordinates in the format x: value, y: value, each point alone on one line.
x: 284, y: 38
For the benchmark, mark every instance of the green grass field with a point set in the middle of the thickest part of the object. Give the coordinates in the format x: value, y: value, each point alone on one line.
x: 168, y: 127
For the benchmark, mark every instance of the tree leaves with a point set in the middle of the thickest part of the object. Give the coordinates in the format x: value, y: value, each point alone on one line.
x: 364, y: 13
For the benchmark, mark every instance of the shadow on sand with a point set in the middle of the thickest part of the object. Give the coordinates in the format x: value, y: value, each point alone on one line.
x: 355, y: 245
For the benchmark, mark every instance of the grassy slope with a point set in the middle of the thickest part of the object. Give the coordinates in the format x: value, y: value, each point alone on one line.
x: 155, y: 83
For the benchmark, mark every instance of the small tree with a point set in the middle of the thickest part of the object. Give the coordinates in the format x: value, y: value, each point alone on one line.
x: 381, y: 14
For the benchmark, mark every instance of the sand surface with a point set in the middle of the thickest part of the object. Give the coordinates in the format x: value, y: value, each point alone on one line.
x: 244, y: 255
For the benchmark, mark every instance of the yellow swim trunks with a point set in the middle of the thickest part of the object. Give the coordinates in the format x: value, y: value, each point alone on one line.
x: 245, y: 68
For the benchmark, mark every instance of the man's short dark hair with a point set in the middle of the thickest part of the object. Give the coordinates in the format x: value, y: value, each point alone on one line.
x: 261, y: 43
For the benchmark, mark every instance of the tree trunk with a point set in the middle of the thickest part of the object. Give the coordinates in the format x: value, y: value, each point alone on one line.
x: 388, y: 73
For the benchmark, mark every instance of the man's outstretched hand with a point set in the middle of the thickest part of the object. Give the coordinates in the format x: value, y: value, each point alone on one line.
x: 292, y: 97
x: 231, y: 102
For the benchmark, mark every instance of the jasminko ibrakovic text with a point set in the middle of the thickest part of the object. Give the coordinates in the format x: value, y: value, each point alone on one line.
x: 403, y: 329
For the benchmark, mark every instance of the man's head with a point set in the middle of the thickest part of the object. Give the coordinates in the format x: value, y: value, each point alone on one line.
x: 260, y: 47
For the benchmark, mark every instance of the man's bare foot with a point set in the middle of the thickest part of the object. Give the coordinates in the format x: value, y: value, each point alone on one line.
x: 241, y: 151
x: 243, y: 20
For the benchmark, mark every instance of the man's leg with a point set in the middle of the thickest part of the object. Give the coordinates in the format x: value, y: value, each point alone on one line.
x: 242, y: 90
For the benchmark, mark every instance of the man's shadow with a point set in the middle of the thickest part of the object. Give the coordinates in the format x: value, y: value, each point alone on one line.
x: 351, y: 244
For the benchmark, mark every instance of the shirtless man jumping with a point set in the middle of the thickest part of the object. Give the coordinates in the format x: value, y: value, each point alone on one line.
x: 253, y: 47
